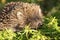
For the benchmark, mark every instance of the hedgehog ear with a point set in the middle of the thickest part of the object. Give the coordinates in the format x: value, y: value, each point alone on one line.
x: 19, y: 14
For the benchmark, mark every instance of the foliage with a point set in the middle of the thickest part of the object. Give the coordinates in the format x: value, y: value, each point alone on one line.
x: 49, y: 30
x: 7, y: 34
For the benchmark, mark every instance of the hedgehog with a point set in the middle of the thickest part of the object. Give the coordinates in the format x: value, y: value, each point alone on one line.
x: 16, y: 15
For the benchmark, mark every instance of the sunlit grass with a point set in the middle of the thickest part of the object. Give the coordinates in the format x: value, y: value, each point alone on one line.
x: 50, y: 30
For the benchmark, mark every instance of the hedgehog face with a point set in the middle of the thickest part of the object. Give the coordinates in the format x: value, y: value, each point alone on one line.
x: 34, y: 19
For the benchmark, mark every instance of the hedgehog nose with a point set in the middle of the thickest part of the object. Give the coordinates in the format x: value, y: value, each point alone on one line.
x: 40, y: 24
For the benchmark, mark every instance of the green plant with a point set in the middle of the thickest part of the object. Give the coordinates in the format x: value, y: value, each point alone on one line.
x: 50, y: 30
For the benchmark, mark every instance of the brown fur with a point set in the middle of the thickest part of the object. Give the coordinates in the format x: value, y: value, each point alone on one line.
x: 16, y: 15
